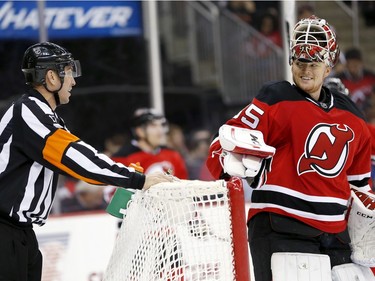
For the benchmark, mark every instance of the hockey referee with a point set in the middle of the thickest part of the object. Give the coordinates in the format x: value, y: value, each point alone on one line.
x: 35, y: 147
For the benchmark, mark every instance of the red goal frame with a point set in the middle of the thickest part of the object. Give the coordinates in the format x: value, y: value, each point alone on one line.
x: 239, y: 229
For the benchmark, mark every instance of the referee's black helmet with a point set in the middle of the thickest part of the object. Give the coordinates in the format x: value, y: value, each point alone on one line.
x: 41, y: 57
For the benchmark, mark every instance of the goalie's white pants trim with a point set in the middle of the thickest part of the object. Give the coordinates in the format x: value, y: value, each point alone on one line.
x: 315, y: 267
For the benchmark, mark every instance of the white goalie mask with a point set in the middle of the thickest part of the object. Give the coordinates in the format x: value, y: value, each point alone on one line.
x: 313, y: 39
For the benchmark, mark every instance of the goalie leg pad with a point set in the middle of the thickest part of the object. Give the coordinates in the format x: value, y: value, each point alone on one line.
x: 351, y: 272
x: 300, y: 267
x: 361, y: 227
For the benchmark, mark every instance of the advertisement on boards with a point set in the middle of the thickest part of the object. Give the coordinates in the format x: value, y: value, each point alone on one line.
x: 70, y: 19
x: 77, y: 247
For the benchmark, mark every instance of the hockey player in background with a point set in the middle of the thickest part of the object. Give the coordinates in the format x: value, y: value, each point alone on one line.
x: 148, y: 150
x: 149, y: 130
x: 316, y: 148
x: 36, y: 147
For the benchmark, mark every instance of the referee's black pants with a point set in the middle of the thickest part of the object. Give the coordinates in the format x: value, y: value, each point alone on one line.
x: 20, y: 258
x: 270, y: 233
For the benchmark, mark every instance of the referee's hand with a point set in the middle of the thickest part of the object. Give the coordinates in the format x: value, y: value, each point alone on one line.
x: 157, y: 177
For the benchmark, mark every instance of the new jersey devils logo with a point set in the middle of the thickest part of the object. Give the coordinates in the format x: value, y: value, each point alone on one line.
x: 326, y: 150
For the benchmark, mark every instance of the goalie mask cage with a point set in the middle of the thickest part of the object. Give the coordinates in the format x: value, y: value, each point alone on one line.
x: 183, y: 231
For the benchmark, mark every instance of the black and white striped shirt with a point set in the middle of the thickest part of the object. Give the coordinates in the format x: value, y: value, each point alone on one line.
x: 35, y: 146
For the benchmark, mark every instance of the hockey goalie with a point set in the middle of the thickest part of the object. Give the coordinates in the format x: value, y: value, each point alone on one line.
x: 315, y: 255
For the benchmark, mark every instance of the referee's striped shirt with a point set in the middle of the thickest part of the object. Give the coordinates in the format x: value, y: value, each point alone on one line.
x: 35, y: 146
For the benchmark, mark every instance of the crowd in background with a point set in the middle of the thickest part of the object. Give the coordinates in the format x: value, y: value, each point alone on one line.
x: 265, y: 17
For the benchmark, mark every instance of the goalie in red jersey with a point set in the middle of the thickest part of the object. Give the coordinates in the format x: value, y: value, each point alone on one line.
x: 301, y: 147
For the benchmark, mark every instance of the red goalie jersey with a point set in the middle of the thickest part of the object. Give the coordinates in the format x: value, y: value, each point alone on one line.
x: 319, y: 151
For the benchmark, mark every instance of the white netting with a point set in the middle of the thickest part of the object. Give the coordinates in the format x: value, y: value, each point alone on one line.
x: 178, y: 231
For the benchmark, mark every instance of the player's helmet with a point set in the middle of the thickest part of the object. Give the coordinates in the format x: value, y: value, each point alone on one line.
x: 313, y: 39
x: 142, y: 116
x: 41, y: 57
x: 333, y: 83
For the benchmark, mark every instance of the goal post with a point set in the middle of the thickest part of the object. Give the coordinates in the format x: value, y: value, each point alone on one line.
x: 239, y: 230
x: 186, y: 230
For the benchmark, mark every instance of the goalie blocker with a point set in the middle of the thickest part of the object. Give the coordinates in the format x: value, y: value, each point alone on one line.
x: 245, y: 154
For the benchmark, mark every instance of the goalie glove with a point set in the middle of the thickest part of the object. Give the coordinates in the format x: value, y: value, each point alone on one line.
x: 233, y: 164
x: 361, y: 227
x: 245, y: 154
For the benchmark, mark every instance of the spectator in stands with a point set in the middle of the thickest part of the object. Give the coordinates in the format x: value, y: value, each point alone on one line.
x: 367, y: 9
x: 90, y: 196
x: 252, y: 12
x: 371, y: 127
x: 37, y: 147
x: 245, y: 10
x: 86, y: 197
x: 198, y: 143
x: 304, y: 10
x: 112, y: 144
x: 357, y: 79
x: 149, y: 130
x: 266, y: 7
x: 371, y: 112
x: 269, y: 28
x: 176, y: 139
x: 260, y: 46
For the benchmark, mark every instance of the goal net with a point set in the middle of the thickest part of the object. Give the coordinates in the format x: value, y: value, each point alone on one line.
x: 183, y: 231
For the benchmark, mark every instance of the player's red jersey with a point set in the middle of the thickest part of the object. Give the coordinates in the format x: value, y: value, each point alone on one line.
x: 320, y: 148
x: 165, y: 159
